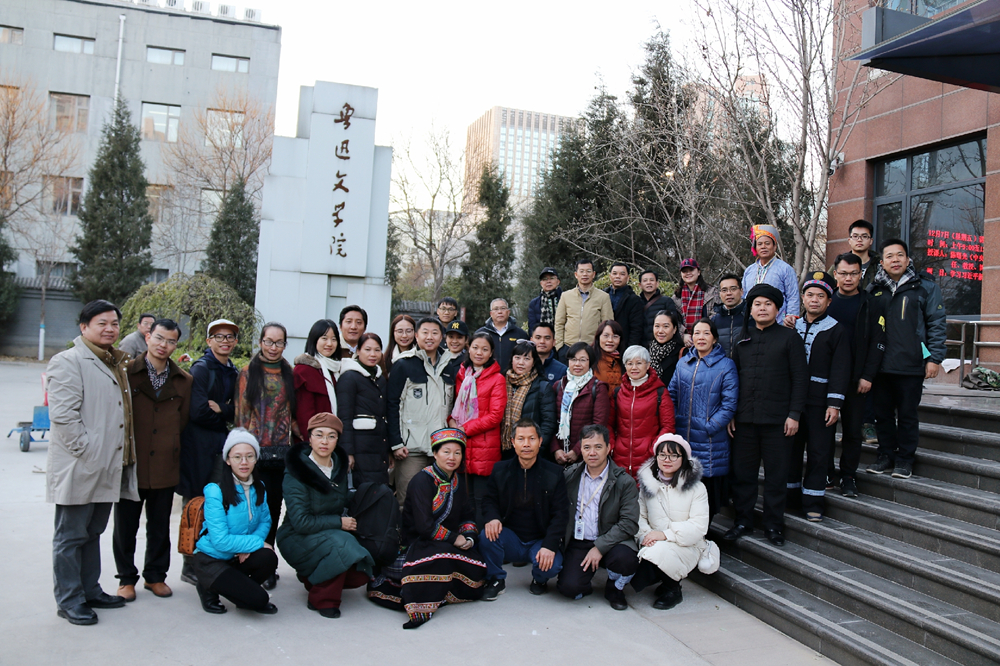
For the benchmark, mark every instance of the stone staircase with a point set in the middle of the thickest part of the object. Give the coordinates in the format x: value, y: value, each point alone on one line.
x: 907, y: 574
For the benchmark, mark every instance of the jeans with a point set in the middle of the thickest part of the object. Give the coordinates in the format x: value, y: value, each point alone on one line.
x: 509, y: 546
x: 76, y: 552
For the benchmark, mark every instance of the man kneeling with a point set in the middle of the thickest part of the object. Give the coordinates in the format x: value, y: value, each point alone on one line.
x: 525, y: 510
x: 605, y: 505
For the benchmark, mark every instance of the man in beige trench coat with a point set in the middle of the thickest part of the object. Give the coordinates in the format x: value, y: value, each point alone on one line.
x: 91, y: 458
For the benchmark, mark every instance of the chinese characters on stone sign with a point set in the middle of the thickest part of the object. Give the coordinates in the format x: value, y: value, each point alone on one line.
x: 961, y: 253
x: 342, y: 152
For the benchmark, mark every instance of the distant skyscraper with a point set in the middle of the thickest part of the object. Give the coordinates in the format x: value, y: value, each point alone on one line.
x: 519, y: 142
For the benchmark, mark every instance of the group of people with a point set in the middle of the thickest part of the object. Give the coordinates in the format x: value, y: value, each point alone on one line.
x: 608, y: 436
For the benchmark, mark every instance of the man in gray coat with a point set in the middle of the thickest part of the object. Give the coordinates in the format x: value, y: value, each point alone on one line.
x: 91, y: 459
x: 135, y: 342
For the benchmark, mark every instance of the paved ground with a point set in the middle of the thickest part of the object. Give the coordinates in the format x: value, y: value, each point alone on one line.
x: 517, y: 627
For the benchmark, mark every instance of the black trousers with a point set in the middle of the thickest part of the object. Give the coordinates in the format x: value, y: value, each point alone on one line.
x: 241, y: 583
x: 852, y: 424
x: 718, y: 493
x: 127, y: 513
x: 752, y: 445
x: 896, y: 419
x: 573, y: 580
x: 477, y: 491
x: 816, y: 440
x: 272, y: 475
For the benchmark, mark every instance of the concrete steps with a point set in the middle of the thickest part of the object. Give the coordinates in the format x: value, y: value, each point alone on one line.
x: 974, y: 473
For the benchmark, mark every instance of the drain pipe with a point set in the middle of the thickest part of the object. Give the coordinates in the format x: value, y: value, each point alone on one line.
x: 118, y: 65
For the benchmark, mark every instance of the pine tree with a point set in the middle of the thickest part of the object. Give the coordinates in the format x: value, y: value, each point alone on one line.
x: 486, y: 273
x: 8, y: 286
x: 231, y: 255
x: 116, y: 228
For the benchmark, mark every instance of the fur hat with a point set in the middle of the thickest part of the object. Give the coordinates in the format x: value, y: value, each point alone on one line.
x: 240, y: 436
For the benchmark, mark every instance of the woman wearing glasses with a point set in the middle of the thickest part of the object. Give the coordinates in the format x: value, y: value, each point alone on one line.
x: 581, y: 400
x: 673, y: 520
x: 265, y: 406
x: 232, y: 558
x: 642, y: 411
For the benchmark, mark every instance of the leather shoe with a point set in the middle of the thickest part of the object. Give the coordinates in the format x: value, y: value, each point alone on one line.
x: 271, y: 581
x: 210, y: 601
x: 271, y: 609
x: 105, y: 600
x: 127, y: 592
x: 160, y: 589
x: 669, y: 599
x: 775, y: 537
x: 81, y: 614
x: 615, y: 596
x: 737, y: 532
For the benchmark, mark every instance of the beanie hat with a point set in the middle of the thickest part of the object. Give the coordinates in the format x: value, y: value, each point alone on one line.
x: 671, y: 437
x: 239, y: 436
x: 325, y: 420
x: 769, y: 292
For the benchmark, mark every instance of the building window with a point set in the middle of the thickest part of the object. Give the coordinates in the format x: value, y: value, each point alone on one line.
x: 64, y: 194
x: 158, y: 275
x: 223, y: 63
x: 69, y: 112
x: 57, y: 269
x: 158, y: 196
x: 10, y: 35
x: 159, y: 122
x: 68, y: 44
x: 164, y: 56
x: 225, y: 128
x: 934, y: 201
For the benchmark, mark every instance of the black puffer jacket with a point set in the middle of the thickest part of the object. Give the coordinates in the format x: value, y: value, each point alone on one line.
x: 730, y: 325
x: 630, y: 316
x: 774, y: 375
x: 651, y: 308
x: 205, y: 433
x: 914, y: 316
x: 361, y: 401
x: 540, y: 407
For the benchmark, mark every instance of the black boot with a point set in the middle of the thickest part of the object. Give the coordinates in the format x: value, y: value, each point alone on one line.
x: 210, y: 601
x: 671, y: 595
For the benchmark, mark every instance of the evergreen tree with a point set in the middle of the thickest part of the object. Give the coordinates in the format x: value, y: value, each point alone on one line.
x: 487, y: 271
x: 116, y: 228
x: 8, y: 286
x: 231, y: 255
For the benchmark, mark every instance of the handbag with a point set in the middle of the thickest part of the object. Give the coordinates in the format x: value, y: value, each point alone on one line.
x: 710, y: 559
x: 273, y: 456
x: 364, y: 422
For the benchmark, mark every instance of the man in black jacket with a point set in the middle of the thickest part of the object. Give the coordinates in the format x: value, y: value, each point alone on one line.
x: 653, y: 302
x: 771, y: 360
x: 729, y: 314
x: 628, y: 307
x: 829, y: 357
x: 542, y: 308
x: 915, y: 332
x: 526, y: 511
x: 504, y: 333
x: 863, y: 318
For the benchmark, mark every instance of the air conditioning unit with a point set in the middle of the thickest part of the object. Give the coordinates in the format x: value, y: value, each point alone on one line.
x: 201, y: 7
x: 227, y: 11
x: 252, y: 15
x: 173, y: 4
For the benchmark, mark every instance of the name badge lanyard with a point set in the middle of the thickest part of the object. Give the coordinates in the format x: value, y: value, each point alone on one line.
x: 578, y: 527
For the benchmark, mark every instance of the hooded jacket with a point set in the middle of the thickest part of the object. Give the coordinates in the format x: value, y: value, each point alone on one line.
x: 535, y: 310
x: 361, y: 396
x: 729, y: 323
x: 420, y: 399
x: 503, y: 345
x: 482, y: 448
x: 705, y: 392
x: 914, y: 318
x: 202, y: 439
x: 629, y: 314
x: 617, y: 508
x: 640, y: 415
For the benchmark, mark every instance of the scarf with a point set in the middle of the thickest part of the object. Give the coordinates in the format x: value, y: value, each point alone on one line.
x: 882, y: 278
x: 658, y: 353
x: 246, y: 495
x: 518, y: 387
x: 693, y: 302
x: 548, y: 302
x: 573, y: 386
x: 330, y: 367
x: 467, y: 401
x: 444, y: 499
x: 117, y: 362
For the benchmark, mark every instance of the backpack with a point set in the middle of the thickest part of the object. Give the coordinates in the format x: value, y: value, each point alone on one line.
x: 659, y: 396
x: 376, y: 509
x: 192, y: 525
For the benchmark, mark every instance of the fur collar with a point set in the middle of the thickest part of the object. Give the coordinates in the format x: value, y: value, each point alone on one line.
x: 307, y: 359
x: 304, y: 470
x: 650, y: 484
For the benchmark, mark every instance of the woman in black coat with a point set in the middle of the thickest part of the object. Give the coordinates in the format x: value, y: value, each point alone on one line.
x: 362, y: 405
x: 529, y: 395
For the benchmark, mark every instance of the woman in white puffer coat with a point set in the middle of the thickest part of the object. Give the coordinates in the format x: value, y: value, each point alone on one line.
x: 673, y: 519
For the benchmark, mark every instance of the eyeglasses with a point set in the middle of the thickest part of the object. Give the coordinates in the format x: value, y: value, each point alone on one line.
x: 668, y: 457
x: 579, y: 360
x: 860, y: 237
x: 849, y: 273
x: 249, y: 457
x: 447, y: 308
x: 499, y: 309
x: 219, y: 337
x: 610, y: 336
x: 278, y: 344
x: 160, y: 339
x: 730, y: 290
x: 636, y: 364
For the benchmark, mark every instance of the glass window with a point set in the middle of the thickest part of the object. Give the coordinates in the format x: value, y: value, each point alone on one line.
x: 64, y: 194
x: 890, y: 219
x: 225, y: 128
x: 890, y: 177
x: 164, y: 56
x: 159, y: 122
x: 223, y: 63
x: 158, y: 196
x: 68, y: 44
x: 69, y: 113
x: 949, y: 165
x: 9, y: 35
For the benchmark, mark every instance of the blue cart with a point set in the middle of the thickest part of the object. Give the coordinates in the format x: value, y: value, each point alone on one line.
x: 39, y: 423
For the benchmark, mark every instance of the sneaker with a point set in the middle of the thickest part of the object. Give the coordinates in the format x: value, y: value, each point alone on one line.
x: 903, y: 470
x: 494, y: 588
x: 848, y: 487
x: 868, y: 433
x: 537, y: 588
x: 832, y: 481
x: 814, y: 517
x: 881, y: 466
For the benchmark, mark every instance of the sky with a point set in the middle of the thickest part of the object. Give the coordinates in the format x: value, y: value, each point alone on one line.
x: 446, y: 63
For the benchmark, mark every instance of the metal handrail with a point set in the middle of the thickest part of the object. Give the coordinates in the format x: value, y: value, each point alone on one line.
x: 976, y: 342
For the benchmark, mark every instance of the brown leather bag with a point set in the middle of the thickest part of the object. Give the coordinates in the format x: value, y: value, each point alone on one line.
x: 192, y: 520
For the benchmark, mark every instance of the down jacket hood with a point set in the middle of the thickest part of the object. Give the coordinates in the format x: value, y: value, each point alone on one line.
x: 304, y: 470
x: 649, y: 484
x: 350, y: 364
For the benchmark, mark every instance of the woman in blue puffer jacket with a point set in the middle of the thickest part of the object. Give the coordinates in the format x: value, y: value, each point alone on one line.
x: 704, y: 389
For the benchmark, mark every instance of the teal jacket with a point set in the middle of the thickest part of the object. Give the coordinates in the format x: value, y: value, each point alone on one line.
x: 233, y: 532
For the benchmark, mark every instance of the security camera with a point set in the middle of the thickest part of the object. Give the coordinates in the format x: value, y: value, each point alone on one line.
x: 835, y: 164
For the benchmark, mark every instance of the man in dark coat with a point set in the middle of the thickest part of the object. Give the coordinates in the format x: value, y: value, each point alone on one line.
x: 504, y: 332
x: 730, y: 313
x: 828, y: 354
x: 161, y: 397
x: 628, y: 307
x: 653, y: 302
x: 544, y: 337
x: 542, y: 308
x: 604, y: 505
x: 525, y: 510
x: 771, y: 360
x: 915, y: 333
x: 212, y: 412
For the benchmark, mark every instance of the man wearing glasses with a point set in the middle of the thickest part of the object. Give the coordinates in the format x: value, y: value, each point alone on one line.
x: 505, y: 334
x: 161, y: 397
x: 860, y: 237
x: 447, y: 310
x: 211, y: 413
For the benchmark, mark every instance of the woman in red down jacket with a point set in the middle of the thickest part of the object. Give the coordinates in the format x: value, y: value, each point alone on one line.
x: 637, y: 422
x: 480, y: 403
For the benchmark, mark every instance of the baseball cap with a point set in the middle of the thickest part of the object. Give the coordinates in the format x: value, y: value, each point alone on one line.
x: 548, y: 270
x: 457, y: 326
x: 690, y: 263
x: 223, y: 322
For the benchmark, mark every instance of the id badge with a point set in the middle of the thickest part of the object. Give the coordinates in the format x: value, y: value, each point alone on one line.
x: 578, y: 529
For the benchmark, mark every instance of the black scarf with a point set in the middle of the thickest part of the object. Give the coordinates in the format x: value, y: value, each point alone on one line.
x: 548, y: 304
x: 658, y: 352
